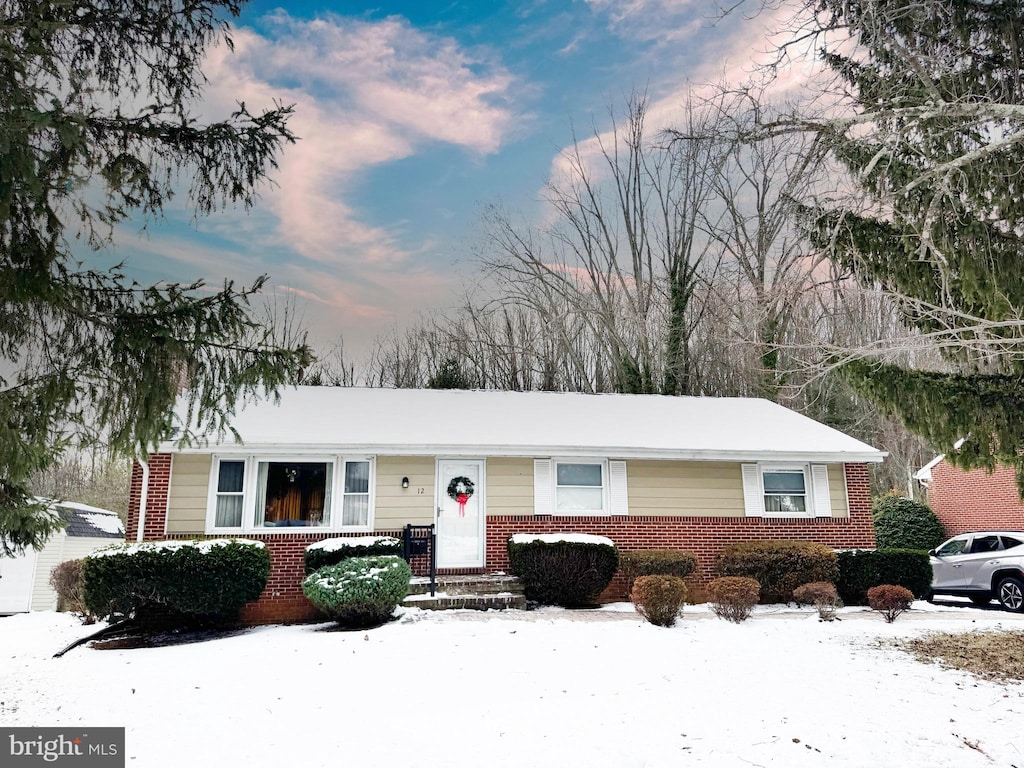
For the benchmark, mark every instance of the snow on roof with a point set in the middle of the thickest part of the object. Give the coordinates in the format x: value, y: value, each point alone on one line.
x: 85, y: 521
x: 489, y: 422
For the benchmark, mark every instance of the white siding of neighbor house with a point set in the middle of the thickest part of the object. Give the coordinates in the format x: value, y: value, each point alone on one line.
x: 59, y: 549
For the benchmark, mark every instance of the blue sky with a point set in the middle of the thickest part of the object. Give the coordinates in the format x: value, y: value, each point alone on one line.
x: 413, y: 116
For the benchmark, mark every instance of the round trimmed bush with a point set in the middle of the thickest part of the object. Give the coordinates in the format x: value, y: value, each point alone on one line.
x: 175, y: 582
x: 733, y: 597
x: 567, y: 569
x: 822, y: 595
x: 656, y: 562
x: 905, y: 524
x: 890, y: 600
x: 359, y: 592
x: 333, y: 551
x: 779, y: 567
x: 659, y: 599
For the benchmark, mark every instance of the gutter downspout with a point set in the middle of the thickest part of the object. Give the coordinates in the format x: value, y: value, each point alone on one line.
x: 142, y: 500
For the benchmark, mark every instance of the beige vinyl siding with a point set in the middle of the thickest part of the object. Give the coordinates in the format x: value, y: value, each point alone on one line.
x: 689, y: 488
x: 837, y: 490
x: 509, y: 486
x: 189, y: 491
x: 396, y: 506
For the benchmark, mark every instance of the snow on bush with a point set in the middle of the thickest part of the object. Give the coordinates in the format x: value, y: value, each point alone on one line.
x: 555, y: 538
x: 659, y: 599
x: 566, y: 569
x: 359, y: 591
x: 333, y: 551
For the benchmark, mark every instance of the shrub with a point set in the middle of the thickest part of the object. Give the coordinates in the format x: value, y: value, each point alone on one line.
x: 175, y: 582
x: 66, y: 580
x: 905, y: 524
x: 656, y: 562
x: 822, y: 595
x: 659, y: 599
x: 890, y: 600
x: 333, y: 551
x: 779, y: 566
x: 859, y: 570
x: 733, y: 597
x: 561, y: 568
x: 359, y: 592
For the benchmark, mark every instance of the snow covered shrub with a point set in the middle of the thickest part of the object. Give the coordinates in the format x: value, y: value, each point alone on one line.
x: 568, y: 569
x: 778, y: 566
x: 659, y: 599
x: 905, y: 524
x: 733, y: 597
x: 859, y: 570
x: 822, y: 595
x: 359, y: 592
x: 890, y: 600
x: 656, y: 562
x: 175, y: 582
x: 66, y: 580
x: 333, y: 551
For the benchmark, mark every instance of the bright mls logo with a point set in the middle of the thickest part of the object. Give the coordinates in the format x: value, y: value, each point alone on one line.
x: 75, y: 748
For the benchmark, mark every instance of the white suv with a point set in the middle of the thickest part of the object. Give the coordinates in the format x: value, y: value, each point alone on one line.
x: 982, y: 566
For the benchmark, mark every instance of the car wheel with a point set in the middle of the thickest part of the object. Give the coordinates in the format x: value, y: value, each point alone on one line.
x: 1011, y: 594
x: 981, y: 599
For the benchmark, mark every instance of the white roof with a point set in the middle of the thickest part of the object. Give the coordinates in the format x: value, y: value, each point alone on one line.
x: 464, y: 423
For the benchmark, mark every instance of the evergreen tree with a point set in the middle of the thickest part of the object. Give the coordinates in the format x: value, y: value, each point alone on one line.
x: 450, y: 376
x: 934, y: 145
x: 95, y: 127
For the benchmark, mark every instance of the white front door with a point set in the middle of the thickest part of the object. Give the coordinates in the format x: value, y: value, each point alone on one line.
x: 17, y: 577
x: 460, y: 513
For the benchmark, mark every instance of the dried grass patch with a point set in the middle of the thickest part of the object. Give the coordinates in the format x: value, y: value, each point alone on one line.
x: 988, y: 655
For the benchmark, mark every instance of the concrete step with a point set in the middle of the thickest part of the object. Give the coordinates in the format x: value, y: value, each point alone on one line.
x: 442, y: 601
x: 478, y: 584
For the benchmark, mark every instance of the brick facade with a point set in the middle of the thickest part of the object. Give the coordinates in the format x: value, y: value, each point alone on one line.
x: 283, y: 600
x: 975, y: 500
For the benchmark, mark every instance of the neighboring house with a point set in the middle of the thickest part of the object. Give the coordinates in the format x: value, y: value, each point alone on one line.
x: 25, y: 580
x: 645, y: 470
x: 972, y: 500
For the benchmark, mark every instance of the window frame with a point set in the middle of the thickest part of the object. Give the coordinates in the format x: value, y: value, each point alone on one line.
x: 605, y: 510
x: 808, y: 493
x: 250, y: 481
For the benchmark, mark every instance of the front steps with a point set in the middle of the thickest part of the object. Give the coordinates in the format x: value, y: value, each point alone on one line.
x: 477, y: 592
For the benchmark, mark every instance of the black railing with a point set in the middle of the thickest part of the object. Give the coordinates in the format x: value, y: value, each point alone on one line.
x: 421, y: 540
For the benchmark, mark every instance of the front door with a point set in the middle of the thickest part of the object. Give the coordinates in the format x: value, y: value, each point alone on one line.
x: 460, y: 513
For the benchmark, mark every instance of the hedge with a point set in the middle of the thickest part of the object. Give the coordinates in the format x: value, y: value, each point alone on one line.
x: 570, y: 570
x: 333, y: 551
x: 905, y: 524
x: 656, y: 562
x: 859, y: 570
x: 778, y: 566
x: 175, y: 581
x: 359, y: 592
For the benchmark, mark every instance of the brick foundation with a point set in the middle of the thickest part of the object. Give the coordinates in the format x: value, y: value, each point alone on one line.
x: 975, y: 500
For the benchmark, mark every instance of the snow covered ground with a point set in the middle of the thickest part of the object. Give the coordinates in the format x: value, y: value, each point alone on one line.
x: 543, y: 688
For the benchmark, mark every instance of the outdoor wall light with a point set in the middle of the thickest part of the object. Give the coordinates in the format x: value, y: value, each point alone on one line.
x: 405, y: 482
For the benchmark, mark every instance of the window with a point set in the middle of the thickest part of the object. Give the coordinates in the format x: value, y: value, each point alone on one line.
x: 1010, y: 542
x: 984, y: 544
x: 785, y: 490
x: 255, y: 493
x: 579, y: 488
x: 954, y: 547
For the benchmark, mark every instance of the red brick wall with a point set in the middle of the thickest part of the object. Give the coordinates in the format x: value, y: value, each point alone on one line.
x: 156, y: 501
x: 975, y: 500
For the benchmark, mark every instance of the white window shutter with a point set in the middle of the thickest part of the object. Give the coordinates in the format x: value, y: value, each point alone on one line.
x: 822, y: 497
x: 617, y: 488
x: 543, y: 488
x: 753, y: 500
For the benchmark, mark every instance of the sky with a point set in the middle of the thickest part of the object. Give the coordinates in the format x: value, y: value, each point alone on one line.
x: 413, y: 117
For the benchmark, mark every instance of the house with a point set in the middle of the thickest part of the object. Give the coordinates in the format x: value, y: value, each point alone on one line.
x: 25, y: 580
x: 972, y: 500
x: 645, y: 470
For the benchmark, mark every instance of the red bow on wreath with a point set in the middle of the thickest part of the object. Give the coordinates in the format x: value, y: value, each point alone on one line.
x: 462, y: 498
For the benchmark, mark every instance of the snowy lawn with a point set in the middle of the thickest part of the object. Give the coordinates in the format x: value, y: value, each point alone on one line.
x: 544, y: 688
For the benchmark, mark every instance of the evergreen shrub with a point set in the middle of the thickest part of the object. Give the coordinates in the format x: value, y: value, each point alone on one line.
x: 656, y: 562
x: 779, y: 566
x: 733, y: 597
x: 659, y: 599
x: 359, y: 592
x: 905, y: 524
x: 890, y: 600
x: 333, y: 551
x: 570, y: 570
x: 859, y: 570
x: 175, y: 582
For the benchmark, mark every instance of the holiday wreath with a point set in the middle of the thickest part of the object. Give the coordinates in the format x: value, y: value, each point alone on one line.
x: 460, y: 489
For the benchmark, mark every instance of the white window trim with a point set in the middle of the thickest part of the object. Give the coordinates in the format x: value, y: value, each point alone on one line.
x: 249, y: 481
x: 808, y: 488
x: 606, y: 509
